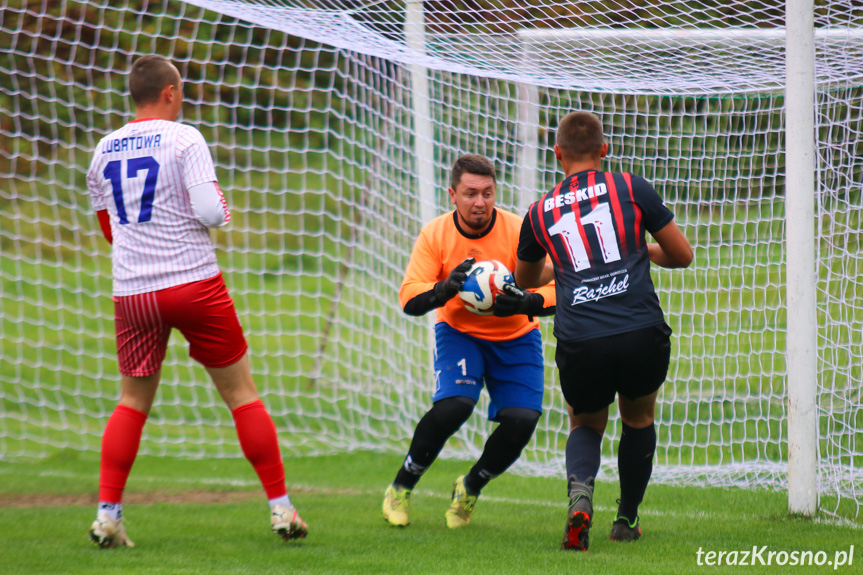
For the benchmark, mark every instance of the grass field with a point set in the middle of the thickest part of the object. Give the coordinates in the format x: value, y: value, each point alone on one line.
x: 314, y: 153
x: 723, y: 405
x: 210, y: 517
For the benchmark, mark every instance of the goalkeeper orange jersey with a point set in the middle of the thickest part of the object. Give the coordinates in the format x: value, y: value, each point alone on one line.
x: 441, y: 246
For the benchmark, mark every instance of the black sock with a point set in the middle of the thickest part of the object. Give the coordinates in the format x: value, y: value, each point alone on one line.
x: 435, y: 427
x: 635, y: 464
x: 583, y: 448
x: 503, y: 446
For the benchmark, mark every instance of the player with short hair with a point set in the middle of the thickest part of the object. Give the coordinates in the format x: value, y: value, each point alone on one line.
x: 504, y: 350
x: 612, y: 336
x: 153, y: 186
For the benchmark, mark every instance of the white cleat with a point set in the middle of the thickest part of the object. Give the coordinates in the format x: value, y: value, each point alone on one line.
x: 287, y: 524
x: 107, y: 533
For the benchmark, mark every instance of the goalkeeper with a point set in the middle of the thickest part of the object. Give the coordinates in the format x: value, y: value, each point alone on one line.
x: 503, y: 351
x: 611, y: 334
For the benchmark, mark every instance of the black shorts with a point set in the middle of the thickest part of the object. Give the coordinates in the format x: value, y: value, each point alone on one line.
x: 633, y: 364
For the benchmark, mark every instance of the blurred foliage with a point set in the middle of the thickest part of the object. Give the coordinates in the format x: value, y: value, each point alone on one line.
x: 66, y: 65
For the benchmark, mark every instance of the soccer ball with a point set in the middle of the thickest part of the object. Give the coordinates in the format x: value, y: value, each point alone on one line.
x: 485, y: 281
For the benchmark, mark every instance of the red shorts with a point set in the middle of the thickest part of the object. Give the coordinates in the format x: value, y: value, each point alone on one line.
x: 202, y: 311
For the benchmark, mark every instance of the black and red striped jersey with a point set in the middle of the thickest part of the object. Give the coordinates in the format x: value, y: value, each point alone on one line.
x: 593, y: 226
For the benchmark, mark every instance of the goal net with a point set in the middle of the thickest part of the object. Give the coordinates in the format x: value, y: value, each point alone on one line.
x: 333, y: 124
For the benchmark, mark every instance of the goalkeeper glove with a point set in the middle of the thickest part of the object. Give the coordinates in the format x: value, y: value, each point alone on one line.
x: 515, y: 301
x: 445, y: 290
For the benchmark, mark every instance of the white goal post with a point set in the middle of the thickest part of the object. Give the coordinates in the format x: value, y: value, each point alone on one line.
x: 333, y: 124
x: 800, y: 267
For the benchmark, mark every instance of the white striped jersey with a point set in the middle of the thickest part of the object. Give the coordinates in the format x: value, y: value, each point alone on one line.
x: 141, y: 174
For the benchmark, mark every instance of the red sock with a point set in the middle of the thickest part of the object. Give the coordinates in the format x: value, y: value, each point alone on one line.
x: 119, y: 447
x: 257, y: 434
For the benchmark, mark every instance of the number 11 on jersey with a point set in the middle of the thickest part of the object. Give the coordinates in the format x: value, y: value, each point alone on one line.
x: 599, y: 219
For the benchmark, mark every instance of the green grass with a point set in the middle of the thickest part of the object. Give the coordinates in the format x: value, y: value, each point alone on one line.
x: 209, y: 517
x: 338, y: 375
x: 367, y: 381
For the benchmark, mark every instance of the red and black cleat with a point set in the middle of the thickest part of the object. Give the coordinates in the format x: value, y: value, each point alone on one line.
x: 576, y: 536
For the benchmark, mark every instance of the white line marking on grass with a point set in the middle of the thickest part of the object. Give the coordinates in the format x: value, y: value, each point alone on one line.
x: 561, y: 504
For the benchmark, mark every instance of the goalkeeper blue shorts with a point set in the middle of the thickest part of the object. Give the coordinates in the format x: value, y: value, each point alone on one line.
x: 512, y: 370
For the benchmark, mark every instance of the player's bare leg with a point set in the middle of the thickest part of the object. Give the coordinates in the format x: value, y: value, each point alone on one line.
x: 234, y: 383
x: 139, y: 392
x: 120, y: 443
x: 635, y: 462
x: 259, y: 441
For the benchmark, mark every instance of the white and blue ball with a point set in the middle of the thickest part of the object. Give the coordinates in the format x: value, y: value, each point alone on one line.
x: 485, y: 281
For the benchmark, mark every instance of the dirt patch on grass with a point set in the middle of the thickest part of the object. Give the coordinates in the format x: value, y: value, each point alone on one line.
x: 152, y: 498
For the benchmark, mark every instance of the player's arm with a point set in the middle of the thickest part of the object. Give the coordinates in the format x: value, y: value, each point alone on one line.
x: 533, y: 274
x: 532, y: 270
x: 672, y: 249
x: 105, y: 224
x: 98, y: 201
x: 421, y: 290
x: 209, y: 205
x: 549, y: 297
x: 199, y: 179
x: 515, y: 301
